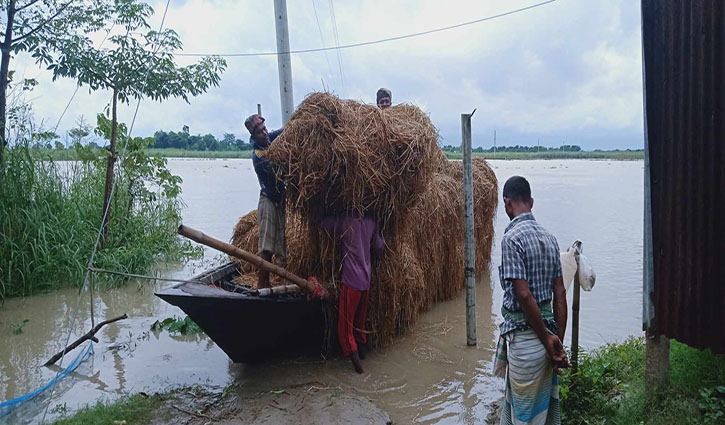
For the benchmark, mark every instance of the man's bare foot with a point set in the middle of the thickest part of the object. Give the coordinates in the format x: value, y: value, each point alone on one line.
x: 355, y: 358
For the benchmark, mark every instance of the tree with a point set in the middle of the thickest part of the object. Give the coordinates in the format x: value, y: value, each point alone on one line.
x: 139, y: 64
x: 228, y: 142
x: 210, y: 142
x: 81, y: 131
x: 40, y: 28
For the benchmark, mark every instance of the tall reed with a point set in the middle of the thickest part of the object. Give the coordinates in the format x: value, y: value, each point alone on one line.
x: 50, y: 213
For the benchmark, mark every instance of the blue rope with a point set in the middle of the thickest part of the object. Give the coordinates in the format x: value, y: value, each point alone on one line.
x: 8, y: 406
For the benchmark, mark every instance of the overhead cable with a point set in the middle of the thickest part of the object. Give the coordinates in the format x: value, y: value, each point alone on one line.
x: 369, y: 43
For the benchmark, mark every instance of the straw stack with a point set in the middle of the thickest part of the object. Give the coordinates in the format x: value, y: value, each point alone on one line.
x: 339, y: 156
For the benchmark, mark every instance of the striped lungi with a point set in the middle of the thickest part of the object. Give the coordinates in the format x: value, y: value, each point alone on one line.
x: 532, y: 387
x: 271, y: 220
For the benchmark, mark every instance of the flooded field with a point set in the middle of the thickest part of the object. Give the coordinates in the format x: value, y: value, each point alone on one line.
x: 427, y: 376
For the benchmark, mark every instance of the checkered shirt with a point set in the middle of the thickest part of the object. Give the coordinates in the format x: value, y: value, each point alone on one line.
x: 531, y: 253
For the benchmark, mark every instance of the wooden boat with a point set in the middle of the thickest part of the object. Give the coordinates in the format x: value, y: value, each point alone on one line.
x: 249, y: 327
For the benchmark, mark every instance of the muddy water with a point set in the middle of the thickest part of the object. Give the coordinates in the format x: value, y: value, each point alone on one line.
x: 427, y: 376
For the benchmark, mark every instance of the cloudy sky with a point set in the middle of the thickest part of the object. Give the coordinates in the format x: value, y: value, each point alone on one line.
x: 566, y: 72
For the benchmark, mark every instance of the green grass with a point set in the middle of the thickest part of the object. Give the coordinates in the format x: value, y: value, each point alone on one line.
x: 613, y: 155
x: 50, y: 214
x: 181, y: 153
x: 136, y: 409
x: 609, y: 388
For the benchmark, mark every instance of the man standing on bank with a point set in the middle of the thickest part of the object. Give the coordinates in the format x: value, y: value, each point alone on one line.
x: 384, y: 98
x: 271, y: 208
x: 530, y: 349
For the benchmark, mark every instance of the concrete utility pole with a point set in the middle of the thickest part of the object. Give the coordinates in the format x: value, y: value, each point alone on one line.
x: 284, y: 63
x: 494, y: 143
x: 470, y: 264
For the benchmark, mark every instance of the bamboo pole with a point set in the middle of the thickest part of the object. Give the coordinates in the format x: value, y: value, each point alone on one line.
x: 79, y: 341
x: 277, y: 290
x: 258, y: 261
x: 470, y: 265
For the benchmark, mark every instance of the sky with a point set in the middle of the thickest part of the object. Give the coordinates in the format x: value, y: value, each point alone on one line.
x: 567, y: 72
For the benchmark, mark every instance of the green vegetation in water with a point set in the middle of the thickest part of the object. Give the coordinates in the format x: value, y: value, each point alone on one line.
x: 136, y: 409
x: 184, y: 326
x: 50, y: 214
x: 18, y: 327
x: 609, y: 388
x: 612, y: 155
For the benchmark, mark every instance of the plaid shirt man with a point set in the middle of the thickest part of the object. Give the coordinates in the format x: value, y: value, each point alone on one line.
x: 530, y: 253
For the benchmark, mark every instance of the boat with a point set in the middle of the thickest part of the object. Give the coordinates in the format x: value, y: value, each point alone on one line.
x: 246, y: 326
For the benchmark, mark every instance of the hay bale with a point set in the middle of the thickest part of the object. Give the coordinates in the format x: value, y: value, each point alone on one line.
x: 428, y: 265
x: 424, y: 264
x: 344, y: 155
x: 340, y: 155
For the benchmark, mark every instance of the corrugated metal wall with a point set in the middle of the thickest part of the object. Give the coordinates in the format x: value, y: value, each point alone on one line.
x: 683, y: 47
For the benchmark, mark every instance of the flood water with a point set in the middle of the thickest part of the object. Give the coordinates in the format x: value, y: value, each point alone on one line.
x: 427, y: 376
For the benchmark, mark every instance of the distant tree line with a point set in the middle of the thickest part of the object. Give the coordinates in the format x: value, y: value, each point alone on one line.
x: 518, y: 148
x: 208, y: 142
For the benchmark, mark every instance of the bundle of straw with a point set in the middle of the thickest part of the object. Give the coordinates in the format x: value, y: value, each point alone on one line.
x: 339, y: 156
x: 342, y: 155
x: 423, y: 265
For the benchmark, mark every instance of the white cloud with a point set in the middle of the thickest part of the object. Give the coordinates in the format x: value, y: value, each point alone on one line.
x: 567, y: 67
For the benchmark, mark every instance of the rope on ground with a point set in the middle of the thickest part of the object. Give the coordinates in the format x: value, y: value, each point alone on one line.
x: 98, y: 236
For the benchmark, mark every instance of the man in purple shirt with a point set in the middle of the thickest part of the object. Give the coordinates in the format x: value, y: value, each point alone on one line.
x: 359, y: 237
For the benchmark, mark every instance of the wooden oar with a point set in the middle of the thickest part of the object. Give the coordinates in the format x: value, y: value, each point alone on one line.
x: 197, y: 236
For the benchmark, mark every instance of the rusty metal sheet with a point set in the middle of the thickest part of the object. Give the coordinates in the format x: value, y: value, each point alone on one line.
x: 684, y: 81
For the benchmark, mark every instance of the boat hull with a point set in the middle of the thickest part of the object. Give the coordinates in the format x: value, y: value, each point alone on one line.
x: 249, y: 328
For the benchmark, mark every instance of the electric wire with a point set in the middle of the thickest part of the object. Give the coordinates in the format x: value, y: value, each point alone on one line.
x: 79, y: 86
x: 322, y: 38
x: 379, y: 41
x: 98, y: 236
x: 333, y: 18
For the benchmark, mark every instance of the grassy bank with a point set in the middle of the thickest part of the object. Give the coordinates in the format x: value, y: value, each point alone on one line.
x: 134, y: 410
x: 50, y: 214
x: 612, y: 155
x: 609, y: 388
x: 65, y: 155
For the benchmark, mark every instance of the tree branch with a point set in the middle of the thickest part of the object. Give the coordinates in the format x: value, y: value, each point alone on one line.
x: 42, y: 24
x: 26, y: 6
x: 9, y: 29
x: 89, y: 335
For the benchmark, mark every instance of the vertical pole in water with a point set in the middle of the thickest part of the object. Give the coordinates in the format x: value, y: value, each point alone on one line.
x: 284, y: 64
x: 575, y: 322
x: 468, y: 224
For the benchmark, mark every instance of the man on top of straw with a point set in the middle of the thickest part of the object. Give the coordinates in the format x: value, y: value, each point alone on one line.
x: 359, y: 237
x: 384, y: 98
x: 530, y: 348
x: 271, y: 208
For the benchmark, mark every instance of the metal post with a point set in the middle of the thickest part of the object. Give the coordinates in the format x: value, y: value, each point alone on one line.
x: 575, y: 322
x: 468, y: 222
x: 284, y: 63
